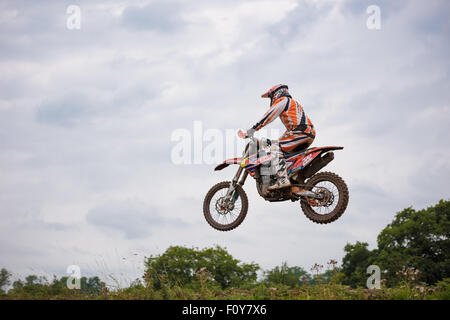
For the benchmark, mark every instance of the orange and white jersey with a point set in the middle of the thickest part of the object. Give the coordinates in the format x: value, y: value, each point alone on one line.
x: 291, y: 114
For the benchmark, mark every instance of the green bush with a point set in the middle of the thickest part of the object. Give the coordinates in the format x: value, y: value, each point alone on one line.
x: 179, y: 266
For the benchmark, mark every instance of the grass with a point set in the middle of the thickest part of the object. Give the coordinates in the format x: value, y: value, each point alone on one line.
x: 210, y: 291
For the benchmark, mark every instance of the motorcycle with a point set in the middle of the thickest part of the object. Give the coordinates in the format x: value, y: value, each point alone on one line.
x: 323, y: 196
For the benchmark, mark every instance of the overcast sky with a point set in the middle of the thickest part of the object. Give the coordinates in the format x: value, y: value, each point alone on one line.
x: 87, y: 115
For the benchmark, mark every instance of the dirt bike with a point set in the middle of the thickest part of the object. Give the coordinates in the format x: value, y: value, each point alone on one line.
x: 323, y: 196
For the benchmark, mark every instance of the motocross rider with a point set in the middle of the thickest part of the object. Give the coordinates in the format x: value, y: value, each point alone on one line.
x: 299, y: 133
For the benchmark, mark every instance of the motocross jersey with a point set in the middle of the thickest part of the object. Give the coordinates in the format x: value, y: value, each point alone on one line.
x: 291, y: 114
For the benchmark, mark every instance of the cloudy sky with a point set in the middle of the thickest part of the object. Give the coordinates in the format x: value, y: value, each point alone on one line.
x: 87, y: 118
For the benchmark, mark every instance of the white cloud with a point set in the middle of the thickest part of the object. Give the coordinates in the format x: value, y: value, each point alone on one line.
x: 86, y: 118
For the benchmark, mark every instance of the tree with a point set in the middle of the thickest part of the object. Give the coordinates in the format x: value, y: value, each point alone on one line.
x: 5, y: 275
x: 32, y: 286
x: 290, y: 276
x: 179, y: 265
x: 417, y: 239
x: 92, y: 285
x: 355, y: 263
x: 40, y: 287
x: 34, y: 280
x: 413, y: 240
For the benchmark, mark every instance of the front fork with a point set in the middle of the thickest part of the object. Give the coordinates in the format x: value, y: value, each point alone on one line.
x: 231, y: 193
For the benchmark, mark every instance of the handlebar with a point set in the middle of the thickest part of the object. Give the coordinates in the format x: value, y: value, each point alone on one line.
x: 251, y: 137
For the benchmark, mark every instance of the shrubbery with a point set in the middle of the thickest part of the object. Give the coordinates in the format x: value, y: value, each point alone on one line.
x: 413, y: 254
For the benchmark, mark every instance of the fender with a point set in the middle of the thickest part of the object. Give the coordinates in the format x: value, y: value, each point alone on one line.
x: 323, y: 149
x: 310, y: 150
x: 293, y: 158
x: 227, y: 162
x: 301, y: 160
x: 250, y: 162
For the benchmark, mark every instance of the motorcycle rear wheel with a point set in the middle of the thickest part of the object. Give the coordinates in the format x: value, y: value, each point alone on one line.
x: 208, y: 213
x: 342, y: 195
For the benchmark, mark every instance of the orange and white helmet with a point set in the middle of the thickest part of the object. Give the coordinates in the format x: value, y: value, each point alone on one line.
x: 276, y: 91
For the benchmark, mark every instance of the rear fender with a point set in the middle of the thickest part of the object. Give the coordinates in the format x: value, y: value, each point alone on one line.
x: 302, y: 160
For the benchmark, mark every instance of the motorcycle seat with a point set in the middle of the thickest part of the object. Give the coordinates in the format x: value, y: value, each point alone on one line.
x: 312, y: 149
x: 288, y: 155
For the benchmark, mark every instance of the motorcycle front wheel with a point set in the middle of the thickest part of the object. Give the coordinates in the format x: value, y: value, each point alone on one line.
x: 221, y: 213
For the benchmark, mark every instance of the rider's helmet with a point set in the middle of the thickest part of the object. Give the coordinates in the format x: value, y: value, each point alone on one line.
x: 276, y: 92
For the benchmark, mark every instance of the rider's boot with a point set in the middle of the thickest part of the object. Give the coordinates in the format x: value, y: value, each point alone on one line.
x: 282, y: 179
